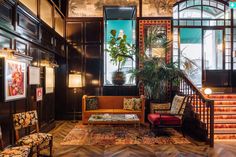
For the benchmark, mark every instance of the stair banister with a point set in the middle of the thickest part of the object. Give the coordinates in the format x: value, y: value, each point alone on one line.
x: 203, y: 106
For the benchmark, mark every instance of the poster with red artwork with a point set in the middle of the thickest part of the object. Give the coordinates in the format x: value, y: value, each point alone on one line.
x: 14, y: 80
x: 39, y: 94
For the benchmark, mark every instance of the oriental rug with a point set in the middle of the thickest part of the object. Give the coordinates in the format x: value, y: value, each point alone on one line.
x: 118, y: 135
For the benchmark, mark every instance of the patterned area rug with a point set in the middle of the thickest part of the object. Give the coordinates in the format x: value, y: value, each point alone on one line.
x: 125, y: 134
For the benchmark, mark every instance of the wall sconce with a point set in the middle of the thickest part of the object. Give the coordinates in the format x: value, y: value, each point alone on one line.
x: 207, y: 91
x: 75, y: 81
x: 47, y: 63
x: 12, y: 54
x: 6, y: 53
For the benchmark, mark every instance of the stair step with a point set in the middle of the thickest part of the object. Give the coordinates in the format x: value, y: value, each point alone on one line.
x: 220, y: 116
x: 224, y: 137
x: 222, y: 96
x: 233, y: 126
x: 225, y: 100
x: 225, y: 131
x: 225, y: 112
x: 225, y: 121
x: 226, y: 105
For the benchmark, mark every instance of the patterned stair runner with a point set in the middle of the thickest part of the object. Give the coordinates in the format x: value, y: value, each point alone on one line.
x: 225, y: 116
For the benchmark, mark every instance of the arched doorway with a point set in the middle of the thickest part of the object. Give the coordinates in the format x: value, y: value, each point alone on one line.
x: 202, y: 41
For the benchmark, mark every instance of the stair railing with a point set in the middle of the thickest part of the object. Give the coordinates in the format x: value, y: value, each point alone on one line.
x: 202, y: 106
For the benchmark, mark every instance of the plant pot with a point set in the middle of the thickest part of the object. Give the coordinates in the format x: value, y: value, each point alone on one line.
x: 118, y: 78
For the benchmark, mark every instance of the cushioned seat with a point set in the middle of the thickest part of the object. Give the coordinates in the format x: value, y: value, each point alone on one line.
x: 22, y: 151
x: 157, y: 119
x: 172, y: 118
x: 34, y: 139
x: 112, y: 105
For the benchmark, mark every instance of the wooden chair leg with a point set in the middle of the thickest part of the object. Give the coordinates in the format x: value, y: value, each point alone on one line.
x: 50, y: 145
x: 182, y: 130
x: 37, y: 151
x: 31, y: 152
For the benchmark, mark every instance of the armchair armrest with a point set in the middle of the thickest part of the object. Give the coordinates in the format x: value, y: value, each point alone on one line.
x: 84, y: 103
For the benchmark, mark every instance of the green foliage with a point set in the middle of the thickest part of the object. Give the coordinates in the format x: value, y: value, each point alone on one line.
x: 155, y: 75
x: 119, y: 49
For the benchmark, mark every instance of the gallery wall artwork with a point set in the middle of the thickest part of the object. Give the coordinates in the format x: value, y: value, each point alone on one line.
x: 49, y: 80
x: 94, y: 8
x: 39, y: 94
x: 15, y: 80
x: 34, y: 75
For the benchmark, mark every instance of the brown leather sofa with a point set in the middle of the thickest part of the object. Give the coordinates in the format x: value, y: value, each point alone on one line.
x: 111, y: 105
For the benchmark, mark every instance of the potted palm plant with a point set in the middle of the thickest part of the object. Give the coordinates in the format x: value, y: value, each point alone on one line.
x: 119, y: 51
x: 155, y: 75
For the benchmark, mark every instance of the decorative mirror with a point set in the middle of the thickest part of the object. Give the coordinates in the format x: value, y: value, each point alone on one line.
x: 154, y: 35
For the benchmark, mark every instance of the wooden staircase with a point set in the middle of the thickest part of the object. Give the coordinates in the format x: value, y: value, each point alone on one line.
x: 224, y: 116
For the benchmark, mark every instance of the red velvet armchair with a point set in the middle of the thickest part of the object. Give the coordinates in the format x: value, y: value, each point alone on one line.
x: 171, y: 118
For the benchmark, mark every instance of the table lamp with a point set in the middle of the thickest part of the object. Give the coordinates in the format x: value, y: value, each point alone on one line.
x: 75, y: 82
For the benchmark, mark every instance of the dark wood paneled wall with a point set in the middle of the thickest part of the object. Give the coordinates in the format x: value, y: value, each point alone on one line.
x: 86, y: 56
x: 22, y: 31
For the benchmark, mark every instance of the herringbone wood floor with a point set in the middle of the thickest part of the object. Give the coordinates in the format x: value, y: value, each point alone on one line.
x: 224, y: 149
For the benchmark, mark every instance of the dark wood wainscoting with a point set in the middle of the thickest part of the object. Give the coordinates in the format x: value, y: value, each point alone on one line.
x: 21, y: 31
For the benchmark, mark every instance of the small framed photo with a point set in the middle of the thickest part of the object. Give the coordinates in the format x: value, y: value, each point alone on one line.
x: 49, y: 80
x: 15, y: 79
x: 39, y: 94
x: 34, y: 75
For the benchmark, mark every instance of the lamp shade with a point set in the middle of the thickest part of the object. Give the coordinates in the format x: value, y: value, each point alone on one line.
x: 75, y: 81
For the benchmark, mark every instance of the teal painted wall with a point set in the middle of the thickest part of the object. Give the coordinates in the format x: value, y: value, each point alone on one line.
x: 126, y: 25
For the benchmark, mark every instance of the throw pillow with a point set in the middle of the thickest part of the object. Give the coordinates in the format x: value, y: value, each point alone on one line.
x: 128, y: 104
x: 176, y: 104
x: 91, y: 103
x: 137, y: 103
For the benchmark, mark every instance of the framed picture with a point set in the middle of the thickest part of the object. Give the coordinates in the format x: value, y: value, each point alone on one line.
x: 15, y: 79
x: 34, y: 75
x: 49, y: 80
x: 39, y: 94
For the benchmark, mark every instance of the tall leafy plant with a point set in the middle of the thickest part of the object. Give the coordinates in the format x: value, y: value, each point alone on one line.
x: 119, y: 49
x: 155, y: 75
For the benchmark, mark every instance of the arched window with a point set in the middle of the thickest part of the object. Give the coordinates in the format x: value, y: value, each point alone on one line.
x: 203, y: 37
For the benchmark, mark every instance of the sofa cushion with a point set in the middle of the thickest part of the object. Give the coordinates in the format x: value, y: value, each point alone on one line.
x: 128, y: 104
x: 137, y: 103
x: 157, y: 119
x: 91, y: 103
x: 177, y: 104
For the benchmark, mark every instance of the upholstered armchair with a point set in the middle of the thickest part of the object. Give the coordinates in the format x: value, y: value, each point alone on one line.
x: 37, y: 141
x: 20, y: 151
x: 171, y: 118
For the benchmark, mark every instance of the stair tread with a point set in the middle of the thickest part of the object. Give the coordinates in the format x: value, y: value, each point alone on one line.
x: 225, y: 121
x: 224, y: 131
x: 223, y: 99
x: 225, y: 113
x: 225, y: 105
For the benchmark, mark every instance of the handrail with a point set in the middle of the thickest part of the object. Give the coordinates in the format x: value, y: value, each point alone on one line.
x: 202, y: 106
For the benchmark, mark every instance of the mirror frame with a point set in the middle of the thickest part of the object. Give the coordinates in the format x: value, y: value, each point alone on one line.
x: 162, y: 22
